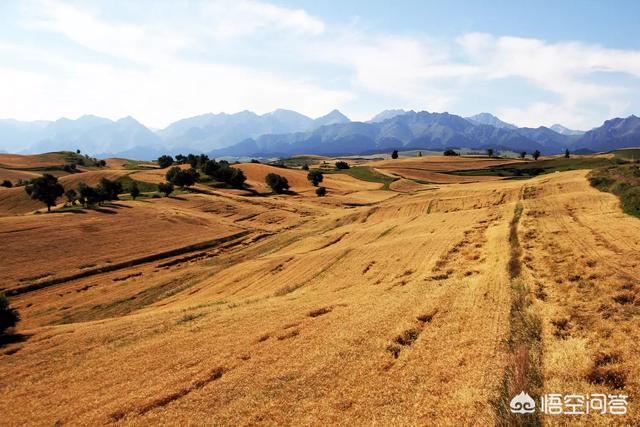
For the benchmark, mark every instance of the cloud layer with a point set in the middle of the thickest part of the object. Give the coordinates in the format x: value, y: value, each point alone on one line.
x: 161, y: 61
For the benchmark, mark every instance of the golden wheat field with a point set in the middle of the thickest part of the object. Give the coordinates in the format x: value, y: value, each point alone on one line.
x: 430, y: 303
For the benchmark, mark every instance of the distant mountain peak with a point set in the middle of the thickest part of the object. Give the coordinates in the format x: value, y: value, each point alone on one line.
x: 386, y: 115
x: 331, y: 118
x: 564, y: 130
x: 490, y: 119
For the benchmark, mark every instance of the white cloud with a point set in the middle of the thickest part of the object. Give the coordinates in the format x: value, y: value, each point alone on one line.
x: 161, y: 61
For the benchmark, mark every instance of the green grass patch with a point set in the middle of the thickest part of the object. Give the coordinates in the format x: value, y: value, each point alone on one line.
x: 538, y: 167
x: 627, y: 154
x: 138, y: 165
x: 297, y: 161
x: 144, y: 187
x: 365, y: 173
x: 621, y: 180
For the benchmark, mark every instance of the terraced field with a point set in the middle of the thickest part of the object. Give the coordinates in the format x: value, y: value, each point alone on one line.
x: 399, y: 307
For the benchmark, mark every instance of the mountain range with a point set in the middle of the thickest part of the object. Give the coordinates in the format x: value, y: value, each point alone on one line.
x: 286, y: 132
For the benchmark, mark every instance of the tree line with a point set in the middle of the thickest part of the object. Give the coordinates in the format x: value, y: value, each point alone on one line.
x: 48, y: 190
x: 201, y: 164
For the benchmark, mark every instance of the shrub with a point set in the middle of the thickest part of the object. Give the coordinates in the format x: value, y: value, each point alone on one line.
x: 6, y: 183
x: 88, y: 196
x: 631, y: 201
x: 258, y: 161
x: 134, y: 191
x: 45, y: 189
x: 165, y: 161
x: 221, y: 171
x: 450, y: 152
x: 8, y: 316
x: 166, y: 188
x: 342, y: 165
x: 70, y: 168
x: 182, y: 178
x: 71, y: 195
x: 278, y: 184
x: 321, y: 191
x: 108, y: 190
x: 394, y: 155
x: 171, y: 173
x: 305, y: 167
x: 315, y: 177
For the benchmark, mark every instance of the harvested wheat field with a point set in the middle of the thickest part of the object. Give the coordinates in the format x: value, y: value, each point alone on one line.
x: 416, y: 305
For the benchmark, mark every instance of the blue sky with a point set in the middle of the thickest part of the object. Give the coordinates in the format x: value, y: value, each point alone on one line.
x: 529, y: 62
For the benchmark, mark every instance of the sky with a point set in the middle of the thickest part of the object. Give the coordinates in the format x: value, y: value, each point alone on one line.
x: 531, y: 63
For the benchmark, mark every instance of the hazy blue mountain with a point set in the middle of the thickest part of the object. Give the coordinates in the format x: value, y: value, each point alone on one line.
x: 404, y: 131
x: 552, y: 141
x: 213, y: 131
x: 285, y: 132
x: 16, y: 136
x: 334, y: 117
x: 490, y: 119
x: 566, y: 131
x: 385, y: 115
x: 96, y: 135
x: 613, y: 134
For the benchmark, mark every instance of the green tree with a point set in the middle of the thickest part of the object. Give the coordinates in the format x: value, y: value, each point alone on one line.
x: 567, y: 154
x: 166, y: 188
x: 165, y: 161
x: 490, y: 152
x: 108, y: 190
x: 182, y: 178
x: 171, y: 173
x: 305, y: 167
x: 342, y: 165
x: 450, y: 152
x: 72, y: 196
x: 278, y: 184
x: 88, y: 196
x: 134, y: 190
x: 536, y: 154
x: 394, y: 155
x: 45, y: 189
x: 8, y: 316
x: 6, y: 183
x: 237, y: 178
x: 523, y: 155
x: 315, y: 177
x: 321, y: 191
x: 210, y: 167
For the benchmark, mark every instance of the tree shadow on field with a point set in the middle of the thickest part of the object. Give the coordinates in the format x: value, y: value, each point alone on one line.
x: 12, y: 338
x: 114, y: 206
x: 72, y: 211
x: 105, y: 211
